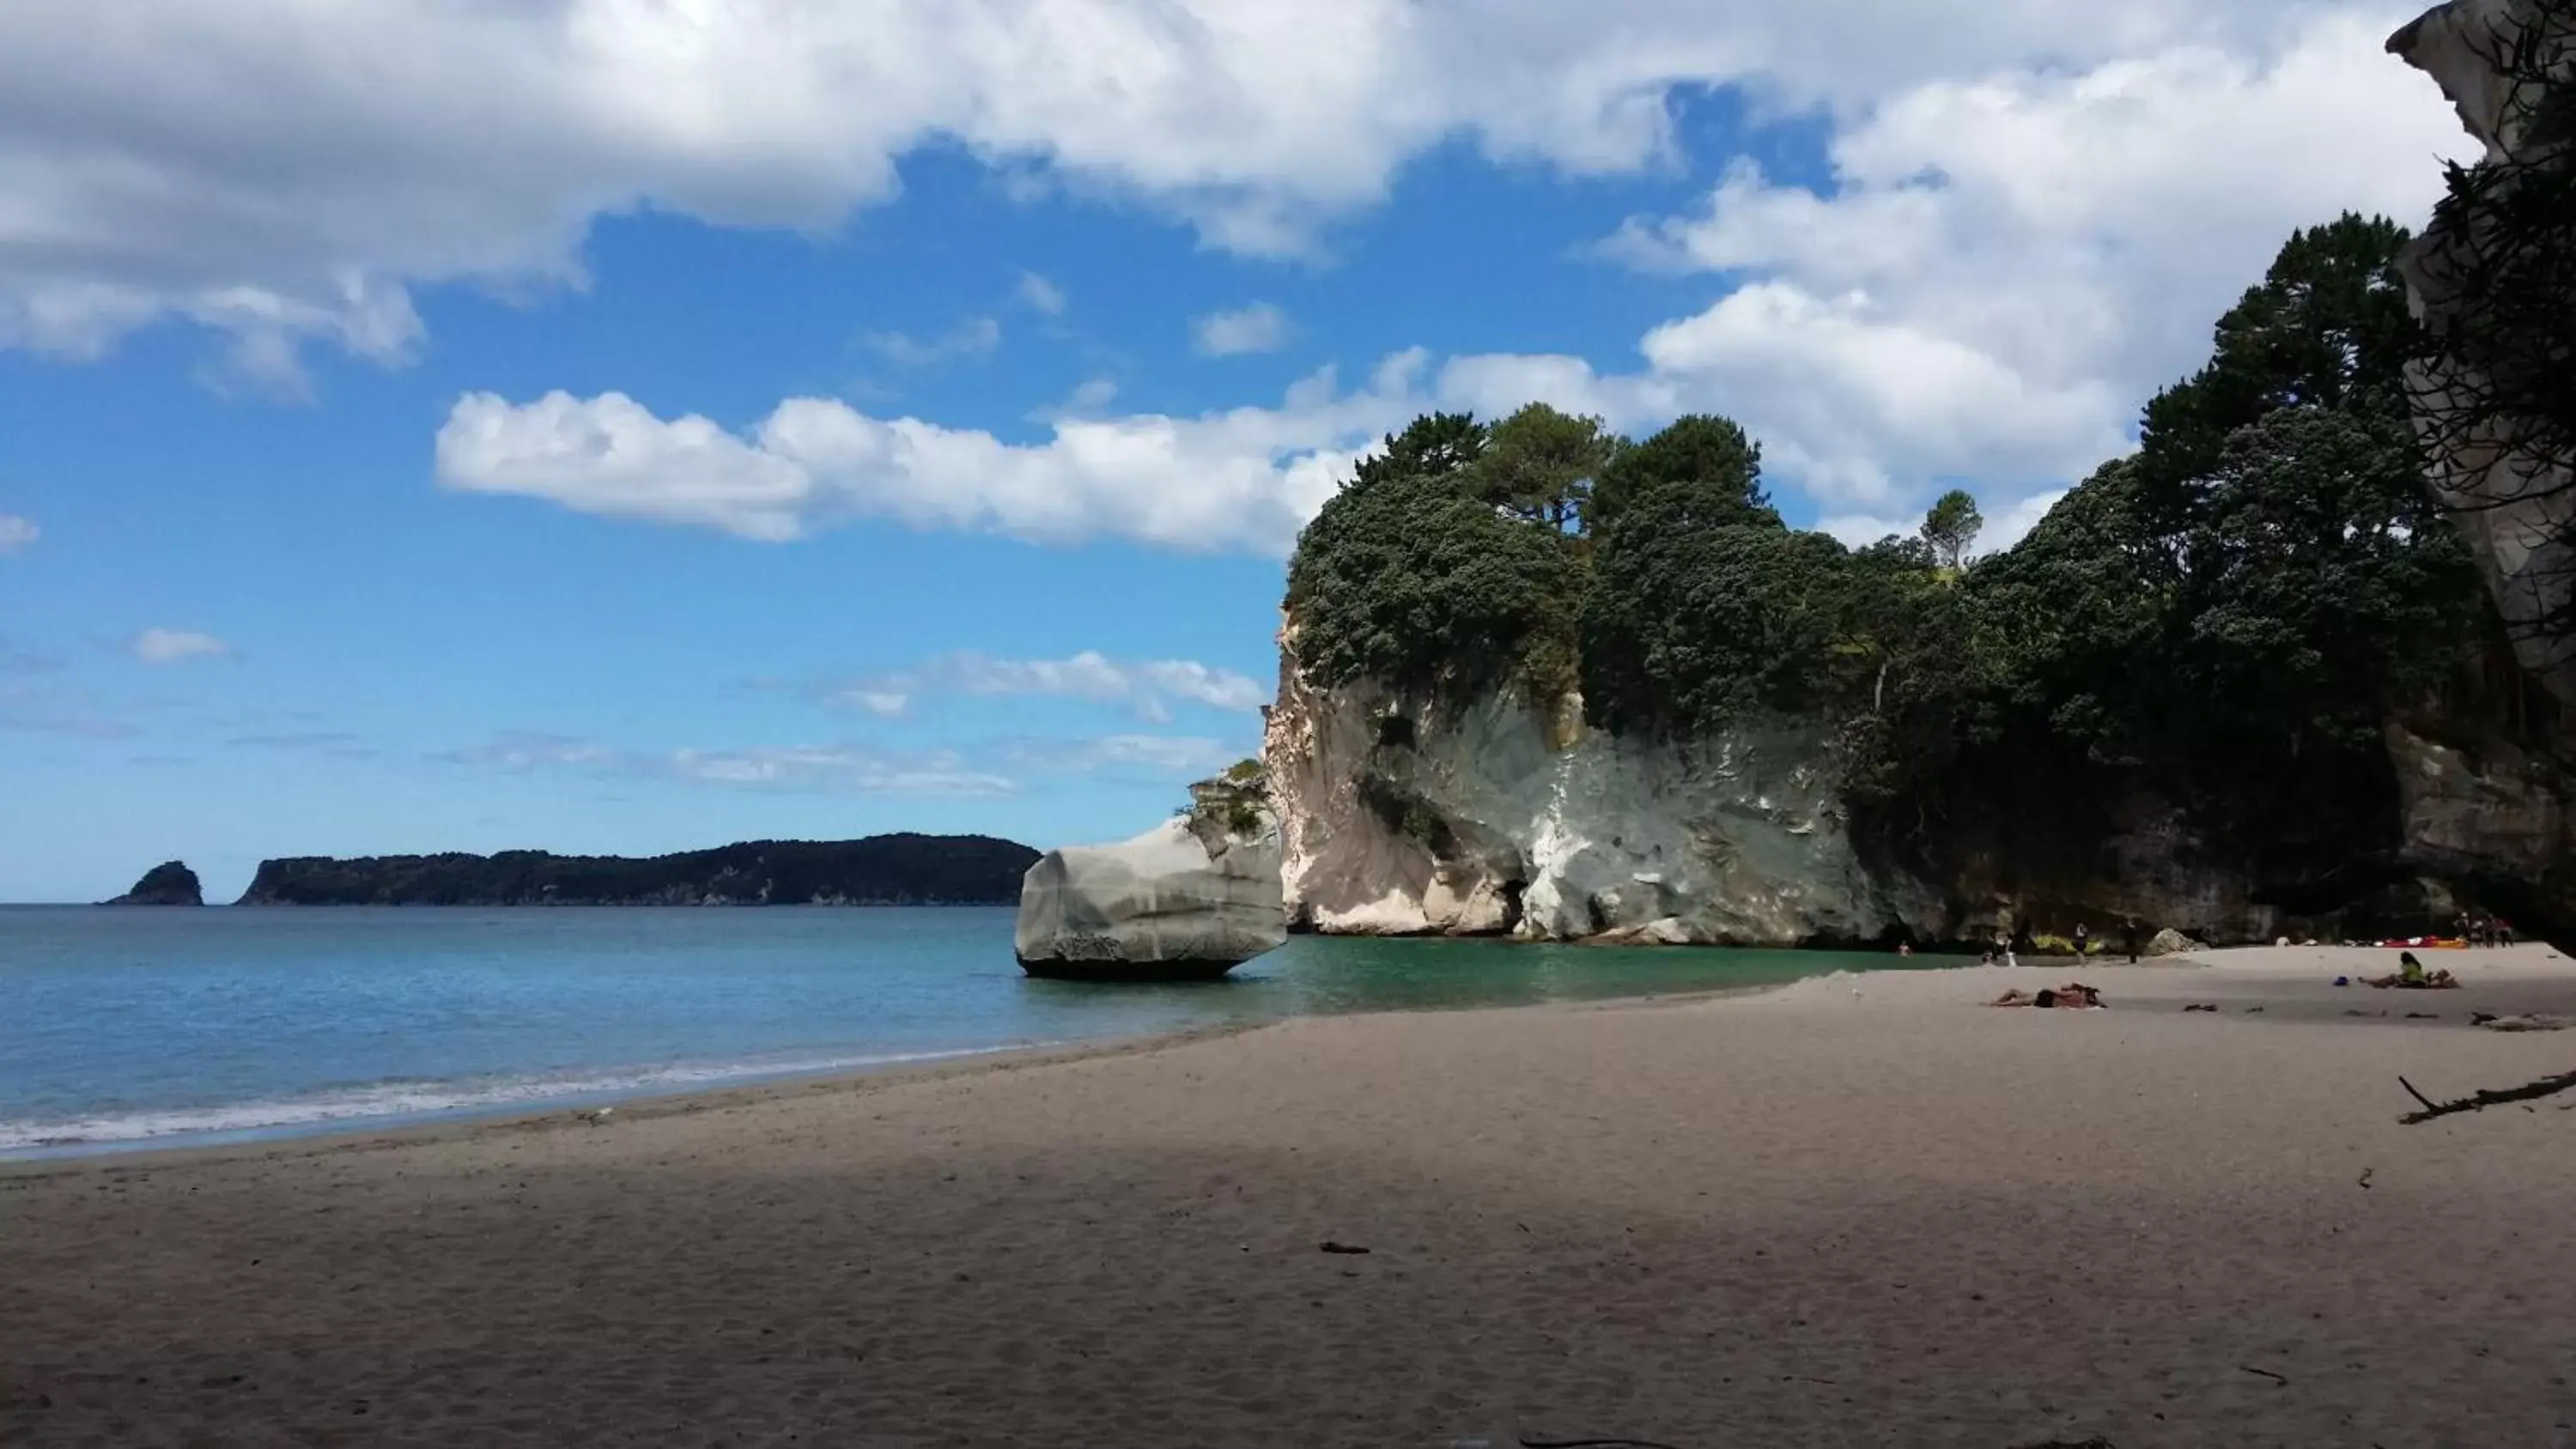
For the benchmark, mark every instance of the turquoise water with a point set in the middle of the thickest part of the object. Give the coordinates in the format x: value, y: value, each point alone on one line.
x: 136, y: 1026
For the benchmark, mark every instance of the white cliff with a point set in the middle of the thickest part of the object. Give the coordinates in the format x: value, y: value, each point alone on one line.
x: 1400, y: 817
x: 2514, y: 503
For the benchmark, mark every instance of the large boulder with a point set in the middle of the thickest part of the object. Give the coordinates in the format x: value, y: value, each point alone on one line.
x: 170, y: 883
x: 1189, y: 899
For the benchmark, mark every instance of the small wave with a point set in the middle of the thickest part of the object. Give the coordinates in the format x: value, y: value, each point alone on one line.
x: 422, y: 1099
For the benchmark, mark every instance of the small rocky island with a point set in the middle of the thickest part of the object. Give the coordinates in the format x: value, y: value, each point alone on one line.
x: 881, y: 870
x: 1188, y: 900
x: 170, y: 883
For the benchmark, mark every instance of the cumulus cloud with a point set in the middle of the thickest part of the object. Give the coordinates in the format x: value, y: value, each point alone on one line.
x: 2010, y: 258
x: 288, y: 171
x: 1244, y: 479
x: 17, y: 533
x: 1148, y: 687
x: 1259, y: 327
x: 175, y: 646
x: 2006, y: 266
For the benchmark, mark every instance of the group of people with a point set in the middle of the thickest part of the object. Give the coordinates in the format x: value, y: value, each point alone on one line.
x: 2485, y: 930
x: 2007, y: 948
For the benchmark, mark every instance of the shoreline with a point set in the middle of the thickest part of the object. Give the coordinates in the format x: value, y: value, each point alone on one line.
x: 442, y: 1125
x: 2264, y: 968
x: 318, y: 1113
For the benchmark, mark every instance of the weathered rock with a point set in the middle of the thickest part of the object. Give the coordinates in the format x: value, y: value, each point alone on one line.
x: 2514, y: 502
x: 1666, y: 932
x: 2170, y: 942
x: 170, y: 883
x: 1192, y: 897
x: 1407, y: 817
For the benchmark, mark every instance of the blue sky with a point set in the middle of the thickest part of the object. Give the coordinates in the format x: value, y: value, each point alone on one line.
x: 757, y: 453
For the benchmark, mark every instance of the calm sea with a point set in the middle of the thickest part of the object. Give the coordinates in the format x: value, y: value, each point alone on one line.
x: 122, y: 1027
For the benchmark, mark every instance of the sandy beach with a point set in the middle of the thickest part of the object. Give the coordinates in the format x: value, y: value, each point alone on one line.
x: 1860, y: 1210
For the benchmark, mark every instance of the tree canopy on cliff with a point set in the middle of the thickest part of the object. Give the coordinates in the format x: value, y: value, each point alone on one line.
x: 2225, y: 620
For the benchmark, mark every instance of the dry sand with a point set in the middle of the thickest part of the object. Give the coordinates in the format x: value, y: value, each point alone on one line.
x: 1807, y: 1217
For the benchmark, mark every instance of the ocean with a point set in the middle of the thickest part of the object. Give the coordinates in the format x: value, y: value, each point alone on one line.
x: 163, y: 1027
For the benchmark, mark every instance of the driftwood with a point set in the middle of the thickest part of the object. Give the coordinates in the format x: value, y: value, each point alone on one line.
x: 2481, y: 1100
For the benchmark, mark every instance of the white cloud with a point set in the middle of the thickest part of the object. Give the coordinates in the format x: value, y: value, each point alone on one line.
x: 835, y: 768
x: 2008, y: 265
x: 1259, y: 327
x: 1088, y: 399
x: 1042, y: 294
x: 2015, y: 522
x: 975, y: 337
x: 2033, y: 220
x: 984, y: 769
x: 288, y: 171
x: 850, y: 769
x: 1172, y: 755
x: 1240, y: 480
x: 173, y: 646
x: 1147, y: 687
x: 17, y: 534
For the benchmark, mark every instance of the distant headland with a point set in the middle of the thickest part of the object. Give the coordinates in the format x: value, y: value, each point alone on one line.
x: 170, y: 883
x: 881, y: 870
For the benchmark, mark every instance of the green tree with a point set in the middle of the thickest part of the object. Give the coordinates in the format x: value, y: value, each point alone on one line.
x: 1411, y: 577
x: 1688, y: 629
x: 1951, y: 527
x: 1702, y: 468
x: 1540, y: 463
x: 2326, y: 327
x: 1435, y: 445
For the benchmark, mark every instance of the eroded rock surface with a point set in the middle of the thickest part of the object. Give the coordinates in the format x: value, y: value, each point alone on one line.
x: 1406, y: 817
x: 1192, y: 897
x: 2513, y: 502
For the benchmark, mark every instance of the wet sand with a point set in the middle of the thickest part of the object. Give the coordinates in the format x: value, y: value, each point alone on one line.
x: 1858, y: 1210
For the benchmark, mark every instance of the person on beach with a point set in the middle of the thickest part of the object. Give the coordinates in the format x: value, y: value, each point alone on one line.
x: 2503, y: 931
x: 2083, y: 941
x: 2129, y: 938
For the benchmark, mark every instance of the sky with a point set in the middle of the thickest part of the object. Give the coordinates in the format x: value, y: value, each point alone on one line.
x: 634, y: 425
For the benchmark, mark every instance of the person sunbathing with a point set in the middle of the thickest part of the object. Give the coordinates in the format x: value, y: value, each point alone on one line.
x: 2410, y: 975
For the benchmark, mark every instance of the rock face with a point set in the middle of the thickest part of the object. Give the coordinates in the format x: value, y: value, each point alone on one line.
x: 2514, y: 504
x: 170, y: 883
x: 1191, y: 898
x: 1406, y: 817
x: 2501, y: 821
x: 1410, y: 817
